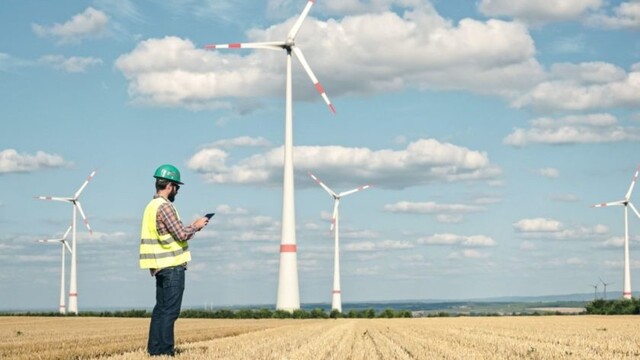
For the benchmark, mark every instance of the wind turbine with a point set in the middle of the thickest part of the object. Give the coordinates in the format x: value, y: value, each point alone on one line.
x: 65, y: 244
x: 626, y: 203
x: 288, y: 291
x: 73, y: 286
x: 595, y: 291
x: 605, y: 288
x: 336, y: 301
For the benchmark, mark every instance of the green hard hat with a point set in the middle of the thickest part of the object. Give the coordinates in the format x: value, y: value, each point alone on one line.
x: 168, y: 172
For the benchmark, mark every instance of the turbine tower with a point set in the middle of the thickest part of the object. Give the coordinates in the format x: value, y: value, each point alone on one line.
x: 288, y: 291
x: 626, y: 203
x: 336, y: 301
x: 62, y: 308
x: 595, y: 291
x: 77, y: 207
x: 605, y: 287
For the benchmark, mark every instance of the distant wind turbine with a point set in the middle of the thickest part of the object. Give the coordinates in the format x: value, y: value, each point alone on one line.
x: 595, y: 291
x: 75, y: 201
x: 65, y: 246
x: 288, y: 291
x: 336, y: 301
x: 626, y: 203
x: 605, y: 287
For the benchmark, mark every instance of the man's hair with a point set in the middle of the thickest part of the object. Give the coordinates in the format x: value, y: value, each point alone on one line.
x: 161, y: 184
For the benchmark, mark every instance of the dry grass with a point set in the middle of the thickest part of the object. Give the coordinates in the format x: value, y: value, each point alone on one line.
x: 543, y: 337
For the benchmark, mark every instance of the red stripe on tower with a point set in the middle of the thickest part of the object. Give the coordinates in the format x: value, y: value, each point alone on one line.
x: 73, y: 294
x: 288, y: 248
x: 336, y: 291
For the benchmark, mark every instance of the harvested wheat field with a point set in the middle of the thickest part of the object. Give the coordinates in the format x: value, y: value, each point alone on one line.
x: 536, y: 337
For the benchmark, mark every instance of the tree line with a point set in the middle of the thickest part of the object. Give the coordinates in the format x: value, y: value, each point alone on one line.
x: 614, y: 307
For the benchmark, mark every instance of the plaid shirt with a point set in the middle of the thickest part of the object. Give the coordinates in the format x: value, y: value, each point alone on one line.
x: 167, y: 222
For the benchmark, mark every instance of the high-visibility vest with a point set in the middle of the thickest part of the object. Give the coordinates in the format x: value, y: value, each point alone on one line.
x: 159, y: 251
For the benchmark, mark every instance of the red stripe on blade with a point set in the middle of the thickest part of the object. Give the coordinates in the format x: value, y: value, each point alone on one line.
x: 235, y: 46
x: 288, y: 248
x: 319, y: 88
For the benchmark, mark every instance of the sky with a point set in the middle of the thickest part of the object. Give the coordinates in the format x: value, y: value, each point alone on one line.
x: 487, y: 130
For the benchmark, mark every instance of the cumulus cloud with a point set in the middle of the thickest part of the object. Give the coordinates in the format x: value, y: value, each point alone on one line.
x: 554, y: 229
x: 468, y: 254
x: 624, y: 16
x: 575, y: 129
x: 89, y: 24
x: 72, y: 64
x: 454, y: 239
x: 422, y: 50
x: 565, y: 198
x: 367, y: 246
x: 539, y: 11
x: 584, y: 86
x: 445, y: 213
x: 551, y: 173
x: 12, y: 161
x: 538, y: 225
x: 242, y: 141
x: 421, y: 162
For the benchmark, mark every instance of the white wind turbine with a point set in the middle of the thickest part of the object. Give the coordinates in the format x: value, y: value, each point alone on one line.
x: 65, y: 246
x: 73, y: 286
x: 626, y: 203
x: 288, y: 291
x: 605, y: 287
x: 336, y: 301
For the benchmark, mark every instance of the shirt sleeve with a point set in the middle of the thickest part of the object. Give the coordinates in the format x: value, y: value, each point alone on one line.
x: 168, y: 216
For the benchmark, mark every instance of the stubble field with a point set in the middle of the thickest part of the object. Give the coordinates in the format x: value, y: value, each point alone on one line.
x: 536, y: 337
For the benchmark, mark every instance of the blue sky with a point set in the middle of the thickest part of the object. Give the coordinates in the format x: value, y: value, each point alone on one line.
x: 487, y: 129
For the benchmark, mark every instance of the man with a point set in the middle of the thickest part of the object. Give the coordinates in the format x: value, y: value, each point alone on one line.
x: 165, y: 252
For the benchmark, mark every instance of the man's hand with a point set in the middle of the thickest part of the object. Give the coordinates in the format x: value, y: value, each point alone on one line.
x: 200, y: 223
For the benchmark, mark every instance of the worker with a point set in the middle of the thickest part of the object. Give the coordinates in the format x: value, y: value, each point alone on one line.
x: 164, y: 250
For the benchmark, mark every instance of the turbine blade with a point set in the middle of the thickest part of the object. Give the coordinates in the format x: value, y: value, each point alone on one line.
x: 613, y: 203
x: 325, y: 187
x: 313, y: 78
x: 634, y: 210
x: 84, y: 218
x: 64, y: 237
x: 67, y: 245
x: 334, y: 217
x: 296, y: 27
x: 272, y: 45
x: 345, y: 193
x: 84, y: 184
x: 53, y: 198
x: 633, y: 183
x: 49, y: 240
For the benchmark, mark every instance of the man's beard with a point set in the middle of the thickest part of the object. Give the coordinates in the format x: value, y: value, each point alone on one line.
x: 172, y: 196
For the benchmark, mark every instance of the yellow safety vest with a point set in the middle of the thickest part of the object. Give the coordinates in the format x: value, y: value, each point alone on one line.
x: 159, y: 251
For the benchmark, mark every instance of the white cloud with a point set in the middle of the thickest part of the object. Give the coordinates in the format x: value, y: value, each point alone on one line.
x: 539, y: 11
x: 11, y: 161
x: 584, y: 86
x: 454, y: 239
x: 72, y: 65
x: 576, y: 129
x: 242, y: 141
x: 615, y: 242
x: 367, y: 246
x: 421, y: 162
x: 422, y: 50
x: 468, y: 254
x: 10, y: 63
x: 538, y: 225
x: 224, y: 209
x: 550, y: 228
x: 625, y: 16
x: 527, y: 246
x: 430, y: 207
x: 91, y: 23
x: 549, y: 172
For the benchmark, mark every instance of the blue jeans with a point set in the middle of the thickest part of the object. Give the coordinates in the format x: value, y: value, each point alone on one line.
x: 169, y: 290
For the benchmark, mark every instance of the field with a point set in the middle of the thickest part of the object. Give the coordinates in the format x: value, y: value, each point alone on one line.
x: 535, y: 337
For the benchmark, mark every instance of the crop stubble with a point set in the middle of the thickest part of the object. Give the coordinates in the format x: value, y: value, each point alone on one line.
x: 543, y: 337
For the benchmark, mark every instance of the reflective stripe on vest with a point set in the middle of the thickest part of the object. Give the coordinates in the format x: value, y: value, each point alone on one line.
x: 159, y: 251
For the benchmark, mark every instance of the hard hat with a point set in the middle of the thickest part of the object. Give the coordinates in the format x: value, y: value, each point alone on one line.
x: 168, y: 172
